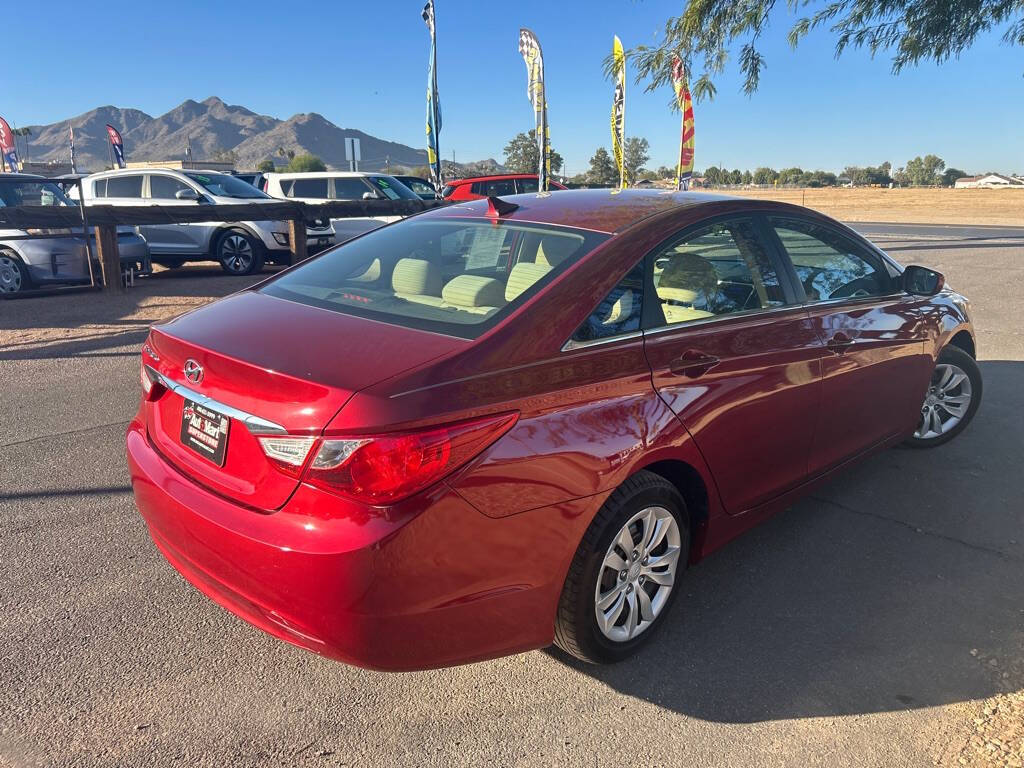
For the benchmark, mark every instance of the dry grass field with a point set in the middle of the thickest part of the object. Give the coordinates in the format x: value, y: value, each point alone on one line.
x: 1003, y: 207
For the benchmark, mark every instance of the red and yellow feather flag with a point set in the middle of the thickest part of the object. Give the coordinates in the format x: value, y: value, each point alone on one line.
x: 684, y: 171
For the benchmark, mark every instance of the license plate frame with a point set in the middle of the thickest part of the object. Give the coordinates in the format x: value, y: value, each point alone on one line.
x: 204, y: 431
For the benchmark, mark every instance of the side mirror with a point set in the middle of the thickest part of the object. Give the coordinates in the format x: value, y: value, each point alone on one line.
x: 921, y: 281
x: 186, y: 194
x: 371, y: 196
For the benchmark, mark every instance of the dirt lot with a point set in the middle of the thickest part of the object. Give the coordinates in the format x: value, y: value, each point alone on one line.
x: 915, y: 206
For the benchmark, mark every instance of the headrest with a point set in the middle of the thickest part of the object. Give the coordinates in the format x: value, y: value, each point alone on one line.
x: 621, y: 310
x: 416, y: 276
x: 554, y: 249
x: 688, y: 270
x: 522, y: 276
x: 474, y: 291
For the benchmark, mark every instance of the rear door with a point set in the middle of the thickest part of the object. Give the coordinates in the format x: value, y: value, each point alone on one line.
x: 875, y: 366
x: 735, y: 357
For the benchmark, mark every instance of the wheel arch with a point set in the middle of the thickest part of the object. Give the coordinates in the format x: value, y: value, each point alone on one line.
x: 222, y: 230
x: 963, y: 339
x: 692, y: 487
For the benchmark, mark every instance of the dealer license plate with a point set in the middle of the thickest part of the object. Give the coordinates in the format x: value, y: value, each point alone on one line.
x: 204, y: 431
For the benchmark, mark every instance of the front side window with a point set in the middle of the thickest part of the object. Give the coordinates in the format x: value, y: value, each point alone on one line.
x: 719, y: 269
x: 494, y: 188
x: 223, y: 185
x: 454, y: 276
x: 165, y: 187
x: 527, y: 185
x: 829, y: 265
x: 124, y: 186
x: 15, y: 191
x: 619, y: 312
x: 349, y: 188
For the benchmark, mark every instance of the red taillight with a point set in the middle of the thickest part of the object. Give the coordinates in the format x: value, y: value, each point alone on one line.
x: 383, y: 469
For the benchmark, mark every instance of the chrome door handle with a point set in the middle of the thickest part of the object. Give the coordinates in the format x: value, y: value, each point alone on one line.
x: 693, y: 364
x: 839, y: 343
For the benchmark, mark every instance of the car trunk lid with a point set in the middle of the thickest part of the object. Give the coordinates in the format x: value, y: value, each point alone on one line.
x: 268, y: 366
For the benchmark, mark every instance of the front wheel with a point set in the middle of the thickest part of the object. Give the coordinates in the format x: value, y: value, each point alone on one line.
x: 953, y: 396
x: 239, y: 253
x: 621, y: 583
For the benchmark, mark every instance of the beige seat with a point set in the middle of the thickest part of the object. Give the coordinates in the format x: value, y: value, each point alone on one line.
x: 552, y: 250
x: 417, y: 280
x: 522, y: 276
x: 620, y: 310
x: 473, y: 293
x: 687, y: 279
x: 371, y: 275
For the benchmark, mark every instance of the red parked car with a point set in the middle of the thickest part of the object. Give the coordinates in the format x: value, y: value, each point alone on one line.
x: 494, y: 186
x: 494, y: 426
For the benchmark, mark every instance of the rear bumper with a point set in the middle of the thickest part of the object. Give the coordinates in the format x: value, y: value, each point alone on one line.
x: 430, y: 583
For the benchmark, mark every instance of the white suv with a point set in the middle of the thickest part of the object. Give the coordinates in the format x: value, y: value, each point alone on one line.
x: 324, y: 186
x: 241, y: 247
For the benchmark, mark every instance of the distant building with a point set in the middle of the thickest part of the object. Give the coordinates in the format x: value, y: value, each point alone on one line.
x: 184, y: 165
x: 989, y: 181
x: 45, y: 169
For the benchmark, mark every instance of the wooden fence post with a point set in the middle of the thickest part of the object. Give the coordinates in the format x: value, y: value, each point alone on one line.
x: 110, y: 258
x: 297, y: 240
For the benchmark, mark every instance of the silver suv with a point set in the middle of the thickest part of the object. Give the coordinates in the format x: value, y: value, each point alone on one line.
x: 241, y: 247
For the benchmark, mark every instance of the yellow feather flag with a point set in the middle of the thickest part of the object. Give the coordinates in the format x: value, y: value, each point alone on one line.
x: 619, y: 109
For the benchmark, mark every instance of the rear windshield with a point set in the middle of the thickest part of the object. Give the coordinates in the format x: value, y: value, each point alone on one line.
x: 453, y: 276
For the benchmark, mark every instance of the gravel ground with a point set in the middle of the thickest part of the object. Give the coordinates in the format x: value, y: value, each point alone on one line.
x: 878, y: 623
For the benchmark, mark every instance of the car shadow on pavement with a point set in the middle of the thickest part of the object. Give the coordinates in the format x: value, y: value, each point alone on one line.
x: 898, y: 585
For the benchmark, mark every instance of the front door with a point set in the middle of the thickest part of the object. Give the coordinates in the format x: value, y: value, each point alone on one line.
x: 735, y: 357
x: 181, y: 239
x: 875, y: 368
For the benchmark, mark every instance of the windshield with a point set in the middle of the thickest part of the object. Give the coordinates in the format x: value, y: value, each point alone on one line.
x: 25, y: 192
x: 392, y: 188
x: 454, y: 276
x: 222, y: 185
x: 419, y: 186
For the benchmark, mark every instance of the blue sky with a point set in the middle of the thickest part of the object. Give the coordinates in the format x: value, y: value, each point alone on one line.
x: 363, y: 65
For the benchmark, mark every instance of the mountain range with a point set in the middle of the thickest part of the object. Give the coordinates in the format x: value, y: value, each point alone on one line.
x: 219, y: 131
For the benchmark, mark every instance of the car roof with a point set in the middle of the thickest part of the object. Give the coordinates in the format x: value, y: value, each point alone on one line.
x: 496, y: 177
x: 124, y: 171
x: 322, y: 174
x: 21, y: 176
x: 600, y: 210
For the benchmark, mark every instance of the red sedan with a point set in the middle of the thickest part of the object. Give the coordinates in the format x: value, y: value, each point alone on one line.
x: 501, y: 185
x: 507, y: 423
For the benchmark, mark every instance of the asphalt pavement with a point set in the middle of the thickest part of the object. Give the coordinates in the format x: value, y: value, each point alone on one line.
x: 864, y: 626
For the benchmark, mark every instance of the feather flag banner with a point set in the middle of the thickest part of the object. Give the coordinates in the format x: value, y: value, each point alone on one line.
x: 8, y: 149
x: 529, y: 47
x: 71, y: 133
x: 619, y: 110
x: 684, y: 170
x: 116, y: 144
x: 433, y: 104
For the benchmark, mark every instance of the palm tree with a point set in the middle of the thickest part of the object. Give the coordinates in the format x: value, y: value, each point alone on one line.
x: 26, y: 132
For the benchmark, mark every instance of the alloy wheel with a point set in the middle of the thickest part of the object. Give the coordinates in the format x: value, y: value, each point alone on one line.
x: 947, y: 401
x: 236, y: 253
x: 637, y: 574
x: 10, y: 275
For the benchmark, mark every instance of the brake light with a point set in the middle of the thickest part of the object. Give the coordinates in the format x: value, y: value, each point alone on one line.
x: 383, y: 469
x: 287, y: 453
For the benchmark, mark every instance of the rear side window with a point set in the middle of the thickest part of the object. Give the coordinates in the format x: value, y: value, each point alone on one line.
x: 719, y: 269
x: 454, y: 276
x: 830, y: 265
x: 619, y: 312
x: 124, y: 186
x: 309, y: 188
x: 495, y: 188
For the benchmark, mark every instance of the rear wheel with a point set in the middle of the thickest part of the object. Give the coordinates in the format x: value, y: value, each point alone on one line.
x: 621, y: 582
x: 953, y: 396
x: 13, y: 274
x: 239, y: 253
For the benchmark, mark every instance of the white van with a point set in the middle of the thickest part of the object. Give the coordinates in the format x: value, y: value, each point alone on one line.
x: 326, y: 186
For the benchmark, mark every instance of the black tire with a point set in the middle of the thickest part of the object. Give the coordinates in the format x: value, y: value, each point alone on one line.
x: 169, y: 263
x: 576, y: 628
x: 953, y: 356
x: 14, y: 277
x: 239, y: 253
